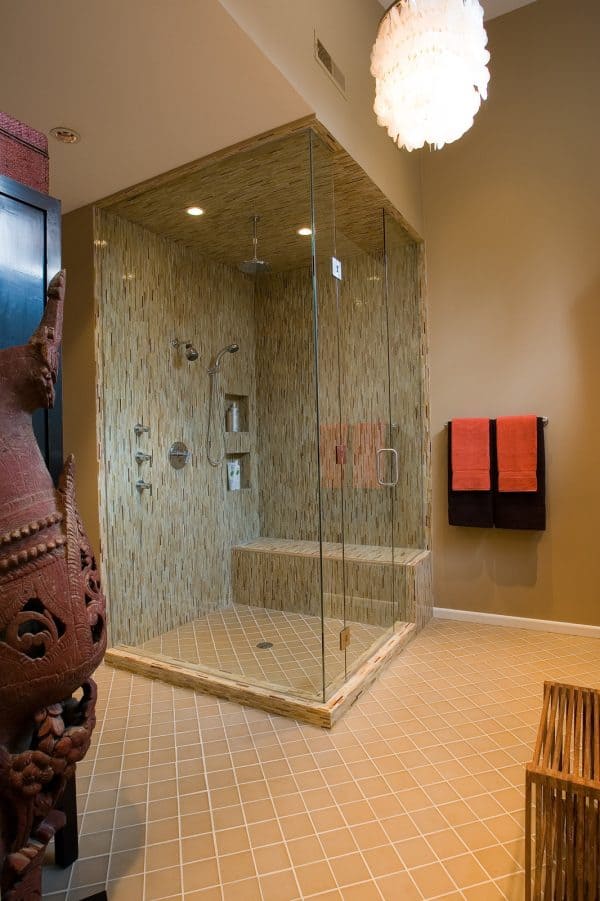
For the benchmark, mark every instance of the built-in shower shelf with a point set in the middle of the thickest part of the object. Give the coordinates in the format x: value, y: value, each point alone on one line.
x: 237, y: 443
x: 242, y: 402
x: 244, y: 461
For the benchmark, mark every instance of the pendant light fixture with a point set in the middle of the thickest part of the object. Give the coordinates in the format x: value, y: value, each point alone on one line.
x: 430, y: 67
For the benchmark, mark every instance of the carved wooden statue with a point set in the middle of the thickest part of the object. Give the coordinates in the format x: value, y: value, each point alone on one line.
x: 52, y: 616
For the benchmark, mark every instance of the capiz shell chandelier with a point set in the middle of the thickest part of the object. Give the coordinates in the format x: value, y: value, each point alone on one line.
x: 430, y: 66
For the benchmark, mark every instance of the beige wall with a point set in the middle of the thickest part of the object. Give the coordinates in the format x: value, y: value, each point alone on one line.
x: 284, y: 31
x: 512, y: 217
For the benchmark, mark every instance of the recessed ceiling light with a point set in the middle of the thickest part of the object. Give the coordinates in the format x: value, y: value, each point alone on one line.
x: 65, y: 135
x: 195, y: 211
x: 305, y: 231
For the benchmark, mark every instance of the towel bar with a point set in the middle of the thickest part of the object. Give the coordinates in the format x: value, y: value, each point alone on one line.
x: 544, y: 420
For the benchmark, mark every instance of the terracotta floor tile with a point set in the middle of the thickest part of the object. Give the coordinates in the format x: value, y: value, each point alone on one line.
x: 415, y: 852
x: 383, y: 860
x: 200, y: 874
x: 432, y: 880
x: 365, y: 891
x: 271, y: 858
x: 248, y: 889
x: 128, y: 888
x: 487, y: 891
x: 160, y: 857
x: 399, y: 886
x: 349, y: 869
x: 279, y: 886
x: 315, y: 877
x: 446, y: 843
x: 307, y: 849
x: 497, y: 861
x: 465, y: 870
x: 427, y: 767
x: 237, y: 866
x: 162, y: 884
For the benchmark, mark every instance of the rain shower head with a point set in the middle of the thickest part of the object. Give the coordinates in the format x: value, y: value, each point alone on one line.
x: 215, y: 363
x: 254, y: 266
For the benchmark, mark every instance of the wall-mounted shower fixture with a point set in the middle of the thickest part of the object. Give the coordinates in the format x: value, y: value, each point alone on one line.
x: 254, y: 266
x: 215, y: 408
x: 215, y: 363
x: 140, y: 429
x: 143, y: 486
x: 179, y: 455
x: 190, y: 351
x: 142, y: 457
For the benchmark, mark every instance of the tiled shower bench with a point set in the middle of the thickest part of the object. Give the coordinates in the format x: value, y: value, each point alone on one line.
x: 382, y: 585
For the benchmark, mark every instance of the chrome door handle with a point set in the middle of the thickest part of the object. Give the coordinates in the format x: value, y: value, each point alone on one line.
x: 394, y: 453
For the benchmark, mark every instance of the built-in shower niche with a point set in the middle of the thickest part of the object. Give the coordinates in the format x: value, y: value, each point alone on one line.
x: 241, y: 400
x: 245, y: 473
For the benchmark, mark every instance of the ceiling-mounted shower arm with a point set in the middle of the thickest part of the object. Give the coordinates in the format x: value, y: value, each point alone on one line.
x: 255, y: 221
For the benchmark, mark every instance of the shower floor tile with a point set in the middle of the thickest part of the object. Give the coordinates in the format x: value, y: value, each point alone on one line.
x: 227, y: 640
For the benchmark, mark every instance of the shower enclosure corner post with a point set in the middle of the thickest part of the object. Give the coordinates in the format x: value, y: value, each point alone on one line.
x: 101, y: 376
x: 315, y: 310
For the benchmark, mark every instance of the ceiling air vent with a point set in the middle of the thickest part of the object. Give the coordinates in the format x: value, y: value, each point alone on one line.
x: 324, y: 58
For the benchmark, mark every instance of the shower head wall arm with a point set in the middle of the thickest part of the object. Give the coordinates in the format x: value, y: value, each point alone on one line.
x: 190, y: 351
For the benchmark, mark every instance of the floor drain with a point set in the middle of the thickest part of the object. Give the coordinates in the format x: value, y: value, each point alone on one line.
x: 264, y: 645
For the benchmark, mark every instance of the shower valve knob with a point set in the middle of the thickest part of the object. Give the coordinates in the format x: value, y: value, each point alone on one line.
x: 142, y: 457
x: 142, y: 486
x: 140, y: 429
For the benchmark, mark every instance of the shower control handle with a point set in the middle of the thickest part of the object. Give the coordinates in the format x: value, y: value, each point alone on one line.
x: 140, y: 429
x: 143, y: 486
x: 142, y: 457
x: 394, y: 453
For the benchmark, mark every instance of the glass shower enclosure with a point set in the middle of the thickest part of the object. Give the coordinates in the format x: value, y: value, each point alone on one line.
x: 278, y: 554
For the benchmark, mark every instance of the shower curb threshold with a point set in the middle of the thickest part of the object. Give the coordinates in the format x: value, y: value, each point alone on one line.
x: 272, y: 700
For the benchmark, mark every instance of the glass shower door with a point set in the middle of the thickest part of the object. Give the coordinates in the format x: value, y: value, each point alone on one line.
x: 371, y: 472
x: 358, y: 460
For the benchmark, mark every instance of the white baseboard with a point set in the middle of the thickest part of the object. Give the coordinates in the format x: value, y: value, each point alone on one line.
x: 517, y: 622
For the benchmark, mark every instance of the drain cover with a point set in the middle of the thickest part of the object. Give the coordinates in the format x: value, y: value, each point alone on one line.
x: 264, y: 645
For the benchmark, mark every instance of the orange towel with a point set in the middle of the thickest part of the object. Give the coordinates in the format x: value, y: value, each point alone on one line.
x: 471, y: 455
x: 330, y: 435
x: 368, y: 438
x: 516, y: 443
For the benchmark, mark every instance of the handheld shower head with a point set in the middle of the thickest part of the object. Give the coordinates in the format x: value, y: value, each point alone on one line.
x: 215, y: 363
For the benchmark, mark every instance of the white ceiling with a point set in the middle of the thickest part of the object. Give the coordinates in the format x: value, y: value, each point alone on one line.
x: 148, y: 88
x: 491, y: 8
x: 148, y: 91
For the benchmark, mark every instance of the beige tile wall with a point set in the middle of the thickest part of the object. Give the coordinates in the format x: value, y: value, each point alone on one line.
x: 176, y: 543
x: 286, y: 393
x: 168, y: 553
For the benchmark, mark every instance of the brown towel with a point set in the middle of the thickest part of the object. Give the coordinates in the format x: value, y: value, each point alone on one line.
x: 525, y: 509
x: 471, y: 508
